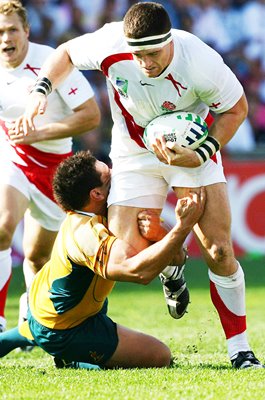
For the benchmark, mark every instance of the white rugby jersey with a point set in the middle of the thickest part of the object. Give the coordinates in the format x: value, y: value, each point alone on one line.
x: 196, y: 80
x: 15, y: 85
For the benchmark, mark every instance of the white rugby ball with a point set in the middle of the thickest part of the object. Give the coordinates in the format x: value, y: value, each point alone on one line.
x: 185, y: 129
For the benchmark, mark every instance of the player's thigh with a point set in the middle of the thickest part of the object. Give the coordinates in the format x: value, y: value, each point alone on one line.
x: 214, y: 230
x: 123, y: 224
x: 215, y: 222
x: 13, y: 204
x: 136, y: 349
x: 14, y: 191
x: 44, y: 210
x: 136, y: 184
x: 37, y: 241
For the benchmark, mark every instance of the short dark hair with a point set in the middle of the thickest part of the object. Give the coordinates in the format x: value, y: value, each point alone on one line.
x: 146, y: 19
x: 73, y: 180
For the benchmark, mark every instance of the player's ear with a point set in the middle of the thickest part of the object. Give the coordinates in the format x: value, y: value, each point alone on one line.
x: 96, y: 194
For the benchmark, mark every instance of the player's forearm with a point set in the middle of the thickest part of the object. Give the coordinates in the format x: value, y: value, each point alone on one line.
x: 124, y: 265
x: 61, y: 130
x: 83, y: 120
x: 57, y: 66
x: 146, y: 265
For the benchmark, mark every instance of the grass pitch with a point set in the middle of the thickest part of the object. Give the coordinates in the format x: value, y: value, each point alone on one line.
x: 201, y: 366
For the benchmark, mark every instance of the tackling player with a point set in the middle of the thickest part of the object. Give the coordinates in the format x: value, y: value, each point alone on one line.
x: 27, y: 163
x: 152, y: 69
x: 68, y: 297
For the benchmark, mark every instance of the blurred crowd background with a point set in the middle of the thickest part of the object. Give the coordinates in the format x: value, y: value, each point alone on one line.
x: 236, y: 29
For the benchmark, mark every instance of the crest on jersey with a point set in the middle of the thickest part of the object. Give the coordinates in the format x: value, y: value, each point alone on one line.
x: 122, y: 85
x: 168, y: 106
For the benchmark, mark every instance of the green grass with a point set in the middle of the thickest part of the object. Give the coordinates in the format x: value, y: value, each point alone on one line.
x: 201, y: 367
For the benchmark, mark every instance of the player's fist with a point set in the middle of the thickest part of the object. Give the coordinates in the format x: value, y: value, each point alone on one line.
x: 150, y: 225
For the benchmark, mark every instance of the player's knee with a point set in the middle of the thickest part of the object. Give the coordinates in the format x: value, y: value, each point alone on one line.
x: 221, y: 253
x: 163, y: 357
x: 35, y: 261
x: 6, y: 236
x: 8, y: 225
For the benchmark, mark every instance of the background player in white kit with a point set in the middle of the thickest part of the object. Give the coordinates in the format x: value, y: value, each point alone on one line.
x: 27, y: 162
x: 152, y: 69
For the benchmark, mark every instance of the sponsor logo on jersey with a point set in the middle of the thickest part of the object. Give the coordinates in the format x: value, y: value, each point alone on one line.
x: 122, y: 85
x: 145, y: 84
x: 10, y: 83
x: 168, y: 106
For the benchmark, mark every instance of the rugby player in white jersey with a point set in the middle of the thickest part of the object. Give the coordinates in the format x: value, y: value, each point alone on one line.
x: 152, y: 69
x: 28, y: 162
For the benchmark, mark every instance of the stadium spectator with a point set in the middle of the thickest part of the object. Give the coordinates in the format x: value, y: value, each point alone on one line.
x: 153, y: 69
x: 219, y: 25
x: 253, y: 14
x: 42, y: 15
x: 68, y: 297
x: 257, y: 118
x: 28, y: 162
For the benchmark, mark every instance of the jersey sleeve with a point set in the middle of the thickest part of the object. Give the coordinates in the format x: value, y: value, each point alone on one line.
x: 75, y: 89
x: 91, y: 245
x: 215, y: 84
x: 89, y: 50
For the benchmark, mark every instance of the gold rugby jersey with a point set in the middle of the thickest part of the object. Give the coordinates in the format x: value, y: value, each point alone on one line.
x: 72, y: 286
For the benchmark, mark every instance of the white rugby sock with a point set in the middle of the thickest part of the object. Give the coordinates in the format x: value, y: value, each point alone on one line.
x: 172, y: 271
x: 228, y: 297
x: 237, y: 343
x: 169, y: 271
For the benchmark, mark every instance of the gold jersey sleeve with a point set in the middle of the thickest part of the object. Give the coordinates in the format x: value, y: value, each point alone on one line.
x: 72, y: 286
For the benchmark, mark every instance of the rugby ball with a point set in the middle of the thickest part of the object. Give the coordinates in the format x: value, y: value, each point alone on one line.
x: 182, y: 128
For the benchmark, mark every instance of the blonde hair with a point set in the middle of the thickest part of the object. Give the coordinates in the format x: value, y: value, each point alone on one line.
x: 15, y: 6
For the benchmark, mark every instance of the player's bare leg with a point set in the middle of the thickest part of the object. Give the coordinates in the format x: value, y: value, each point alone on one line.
x: 227, y: 283
x: 37, y: 246
x: 136, y: 349
x: 37, y: 242
x: 12, y: 207
x: 123, y: 223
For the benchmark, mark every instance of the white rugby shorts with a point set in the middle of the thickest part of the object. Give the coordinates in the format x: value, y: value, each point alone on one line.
x: 143, y: 181
x: 48, y: 214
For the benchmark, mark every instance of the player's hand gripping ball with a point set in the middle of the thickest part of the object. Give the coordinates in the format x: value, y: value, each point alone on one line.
x: 182, y: 128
